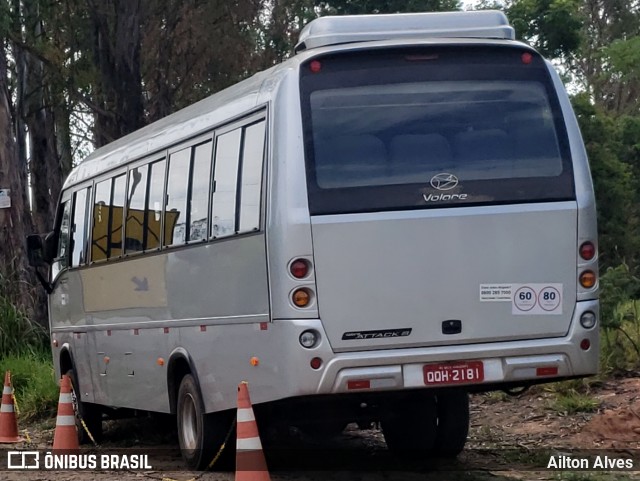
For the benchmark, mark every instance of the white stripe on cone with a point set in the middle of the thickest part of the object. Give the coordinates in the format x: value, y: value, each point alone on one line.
x: 245, y: 415
x: 65, y: 398
x: 66, y: 421
x: 6, y: 408
x: 249, y: 444
x: 7, y: 390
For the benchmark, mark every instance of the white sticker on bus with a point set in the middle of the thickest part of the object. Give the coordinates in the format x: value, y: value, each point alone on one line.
x: 537, y: 299
x: 496, y: 292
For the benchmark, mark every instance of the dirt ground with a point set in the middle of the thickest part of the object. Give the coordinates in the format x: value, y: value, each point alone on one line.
x: 510, y: 439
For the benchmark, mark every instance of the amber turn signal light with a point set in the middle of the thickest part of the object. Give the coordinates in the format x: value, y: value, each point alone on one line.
x: 587, y: 279
x: 301, y: 298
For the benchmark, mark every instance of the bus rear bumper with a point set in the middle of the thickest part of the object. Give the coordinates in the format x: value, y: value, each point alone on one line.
x: 504, y: 363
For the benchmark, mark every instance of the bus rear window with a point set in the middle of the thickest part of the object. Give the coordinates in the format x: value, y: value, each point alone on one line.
x: 440, y: 128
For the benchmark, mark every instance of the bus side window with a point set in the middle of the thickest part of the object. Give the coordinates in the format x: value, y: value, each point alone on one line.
x: 64, y: 240
x: 199, y: 196
x: 80, y: 219
x: 223, y: 220
x: 176, y: 206
x: 153, y: 220
x: 136, y: 210
x: 252, y: 158
x: 117, y: 206
x: 100, y: 233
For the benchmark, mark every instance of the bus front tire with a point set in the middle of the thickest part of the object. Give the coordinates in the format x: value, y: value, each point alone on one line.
x: 200, y: 435
x: 90, y: 413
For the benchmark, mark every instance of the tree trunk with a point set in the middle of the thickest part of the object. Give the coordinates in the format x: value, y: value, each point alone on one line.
x: 15, y: 281
x: 116, y: 35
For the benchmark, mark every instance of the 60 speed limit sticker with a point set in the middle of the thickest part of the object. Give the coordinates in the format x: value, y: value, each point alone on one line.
x: 540, y: 299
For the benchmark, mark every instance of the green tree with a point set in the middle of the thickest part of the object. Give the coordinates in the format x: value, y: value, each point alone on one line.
x: 554, y: 26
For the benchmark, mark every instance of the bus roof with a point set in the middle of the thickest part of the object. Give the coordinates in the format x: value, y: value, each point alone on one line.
x: 334, y: 30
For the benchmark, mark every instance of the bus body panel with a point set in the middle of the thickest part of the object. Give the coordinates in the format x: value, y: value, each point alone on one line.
x: 587, y: 229
x: 417, y: 270
x: 288, y: 222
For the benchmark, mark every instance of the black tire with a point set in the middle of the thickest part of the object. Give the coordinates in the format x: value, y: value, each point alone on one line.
x: 200, y: 435
x: 410, y: 430
x: 90, y: 413
x: 453, y: 423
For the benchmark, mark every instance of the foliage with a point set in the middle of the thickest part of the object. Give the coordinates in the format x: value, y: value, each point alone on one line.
x: 359, y: 7
x: 18, y: 334
x: 612, y: 148
x: 620, y: 320
x: 32, y: 377
x: 554, y: 25
x: 572, y: 402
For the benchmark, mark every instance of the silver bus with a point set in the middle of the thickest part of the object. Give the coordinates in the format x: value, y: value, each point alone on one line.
x: 398, y: 215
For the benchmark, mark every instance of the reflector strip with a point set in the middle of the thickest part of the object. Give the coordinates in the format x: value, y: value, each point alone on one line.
x: 6, y: 408
x: 7, y: 390
x: 66, y: 421
x: 65, y: 398
x: 245, y: 415
x: 547, y: 371
x: 248, y: 444
x: 359, y: 384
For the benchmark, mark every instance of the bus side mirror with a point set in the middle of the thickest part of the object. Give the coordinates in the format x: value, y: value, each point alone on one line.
x: 39, y: 250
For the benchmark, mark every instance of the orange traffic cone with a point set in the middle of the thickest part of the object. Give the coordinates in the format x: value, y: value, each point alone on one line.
x: 66, y: 435
x: 250, y: 462
x: 8, y: 421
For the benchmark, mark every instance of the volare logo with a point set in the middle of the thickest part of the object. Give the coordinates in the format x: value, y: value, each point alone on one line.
x: 444, y: 181
x: 440, y: 197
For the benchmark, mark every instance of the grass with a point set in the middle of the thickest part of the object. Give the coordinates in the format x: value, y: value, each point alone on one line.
x: 572, y: 401
x: 34, y: 384
x: 17, y: 332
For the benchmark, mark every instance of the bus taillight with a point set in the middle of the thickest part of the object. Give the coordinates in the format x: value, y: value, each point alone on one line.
x: 587, y: 251
x: 588, y: 279
x: 299, y: 268
x: 301, y: 297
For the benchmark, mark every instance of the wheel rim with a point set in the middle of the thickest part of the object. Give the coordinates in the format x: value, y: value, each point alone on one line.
x: 189, y: 423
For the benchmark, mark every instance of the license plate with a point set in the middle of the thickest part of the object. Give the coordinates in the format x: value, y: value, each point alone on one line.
x: 463, y: 372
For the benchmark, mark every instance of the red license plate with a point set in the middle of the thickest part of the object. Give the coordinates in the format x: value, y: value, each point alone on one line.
x: 462, y: 372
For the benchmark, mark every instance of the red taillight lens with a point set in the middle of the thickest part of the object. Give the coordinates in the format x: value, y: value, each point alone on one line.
x: 299, y: 268
x: 315, y: 66
x: 585, y: 344
x: 587, y: 251
x: 526, y: 58
x: 316, y: 363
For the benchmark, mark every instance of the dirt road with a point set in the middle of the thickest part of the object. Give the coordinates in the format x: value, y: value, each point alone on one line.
x: 510, y: 439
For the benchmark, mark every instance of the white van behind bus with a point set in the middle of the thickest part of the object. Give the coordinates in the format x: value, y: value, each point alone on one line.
x: 398, y: 215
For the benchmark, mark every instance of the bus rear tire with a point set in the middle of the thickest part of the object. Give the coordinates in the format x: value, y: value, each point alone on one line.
x: 410, y: 430
x: 453, y: 423
x: 90, y: 413
x: 200, y: 435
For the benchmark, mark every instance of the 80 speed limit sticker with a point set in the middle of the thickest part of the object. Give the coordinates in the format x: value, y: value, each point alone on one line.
x: 540, y: 299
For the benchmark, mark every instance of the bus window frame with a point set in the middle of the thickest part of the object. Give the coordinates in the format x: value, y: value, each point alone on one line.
x: 259, y: 114
x: 191, y: 143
